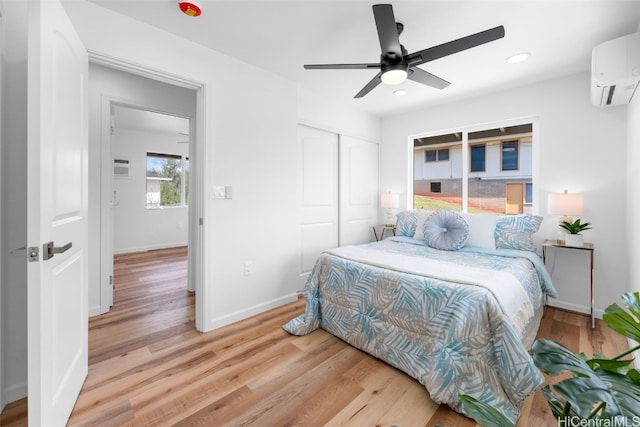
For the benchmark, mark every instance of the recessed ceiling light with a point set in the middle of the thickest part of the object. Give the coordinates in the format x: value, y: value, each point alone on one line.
x: 400, y: 92
x: 518, y: 57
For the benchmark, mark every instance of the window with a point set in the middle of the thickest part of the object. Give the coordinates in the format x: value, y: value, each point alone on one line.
x: 478, y: 158
x: 167, y: 176
x: 436, y: 155
x: 470, y: 169
x: 528, y: 192
x: 510, y: 156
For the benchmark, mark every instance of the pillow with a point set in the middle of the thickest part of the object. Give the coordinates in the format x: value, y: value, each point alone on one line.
x: 446, y: 230
x: 516, y: 231
x: 422, y: 216
x: 406, y: 223
x: 482, y: 228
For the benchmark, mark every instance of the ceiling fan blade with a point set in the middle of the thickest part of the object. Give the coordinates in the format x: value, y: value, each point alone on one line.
x: 387, y: 31
x: 455, y: 46
x: 421, y: 76
x: 369, y: 86
x: 342, y: 66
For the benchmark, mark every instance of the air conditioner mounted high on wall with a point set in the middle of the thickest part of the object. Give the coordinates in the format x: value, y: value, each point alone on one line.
x: 615, y: 71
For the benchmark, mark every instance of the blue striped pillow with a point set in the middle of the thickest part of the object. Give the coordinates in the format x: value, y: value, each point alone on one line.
x: 516, y: 231
x: 407, y: 223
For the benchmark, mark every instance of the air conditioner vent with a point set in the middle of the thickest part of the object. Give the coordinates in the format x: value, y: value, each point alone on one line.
x: 121, y: 168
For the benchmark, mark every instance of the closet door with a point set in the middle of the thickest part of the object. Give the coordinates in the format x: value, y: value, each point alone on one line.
x: 317, y: 194
x: 358, y: 190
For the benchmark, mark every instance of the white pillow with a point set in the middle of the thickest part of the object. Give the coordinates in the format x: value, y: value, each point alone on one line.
x: 481, y: 229
x: 423, y: 215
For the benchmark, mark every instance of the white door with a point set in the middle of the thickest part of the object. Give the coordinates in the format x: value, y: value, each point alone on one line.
x: 358, y: 190
x: 318, y: 194
x: 57, y: 212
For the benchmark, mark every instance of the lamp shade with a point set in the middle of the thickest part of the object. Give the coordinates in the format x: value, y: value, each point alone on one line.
x: 566, y: 204
x: 389, y: 200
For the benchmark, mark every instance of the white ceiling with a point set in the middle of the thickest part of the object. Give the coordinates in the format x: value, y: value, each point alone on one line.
x: 149, y: 121
x: 282, y: 36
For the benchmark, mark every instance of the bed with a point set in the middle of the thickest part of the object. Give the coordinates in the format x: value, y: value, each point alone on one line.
x: 458, y: 321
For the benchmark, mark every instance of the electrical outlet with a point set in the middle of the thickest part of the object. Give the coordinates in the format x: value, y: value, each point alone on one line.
x: 248, y: 268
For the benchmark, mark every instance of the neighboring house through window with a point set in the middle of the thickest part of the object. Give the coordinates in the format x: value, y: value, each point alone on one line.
x: 474, y: 169
x: 510, y: 156
x: 478, y: 158
x: 167, y: 180
x: 436, y: 155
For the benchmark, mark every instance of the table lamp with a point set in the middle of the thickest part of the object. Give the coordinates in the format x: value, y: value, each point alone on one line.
x: 389, y: 201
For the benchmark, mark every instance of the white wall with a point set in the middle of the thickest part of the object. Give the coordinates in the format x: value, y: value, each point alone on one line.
x: 260, y: 119
x: 14, y: 141
x: 2, y: 49
x: 250, y: 145
x: 633, y: 199
x: 568, y: 124
x: 317, y: 111
x: 633, y: 192
x: 136, y: 227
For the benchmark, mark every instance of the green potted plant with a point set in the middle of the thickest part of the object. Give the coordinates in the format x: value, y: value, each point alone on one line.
x: 597, y: 391
x: 574, y: 238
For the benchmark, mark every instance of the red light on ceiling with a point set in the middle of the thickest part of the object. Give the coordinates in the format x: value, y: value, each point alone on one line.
x: 190, y: 8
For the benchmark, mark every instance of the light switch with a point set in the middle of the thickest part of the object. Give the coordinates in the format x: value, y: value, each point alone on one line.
x: 218, y: 192
x: 228, y: 192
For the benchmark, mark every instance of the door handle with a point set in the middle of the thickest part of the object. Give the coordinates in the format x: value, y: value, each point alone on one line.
x: 48, y: 250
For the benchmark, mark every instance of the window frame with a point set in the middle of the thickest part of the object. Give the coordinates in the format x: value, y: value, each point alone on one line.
x: 484, y: 157
x: 438, y: 184
x: 183, y: 166
x: 437, y: 155
x: 516, y: 144
x: 534, y: 121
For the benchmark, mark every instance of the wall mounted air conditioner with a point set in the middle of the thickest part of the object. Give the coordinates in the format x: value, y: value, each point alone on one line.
x: 615, y: 71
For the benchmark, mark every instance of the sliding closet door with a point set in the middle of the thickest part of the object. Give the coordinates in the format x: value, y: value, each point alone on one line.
x: 358, y: 190
x: 317, y: 194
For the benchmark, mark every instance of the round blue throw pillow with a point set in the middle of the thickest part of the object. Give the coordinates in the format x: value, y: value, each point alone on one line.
x: 446, y: 230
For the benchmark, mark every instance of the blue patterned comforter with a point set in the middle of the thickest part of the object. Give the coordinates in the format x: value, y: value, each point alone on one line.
x: 454, y: 338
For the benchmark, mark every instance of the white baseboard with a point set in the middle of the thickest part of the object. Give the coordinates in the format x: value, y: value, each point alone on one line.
x: 148, y: 248
x: 219, y: 322
x: 94, y: 311
x: 553, y: 302
x: 15, y: 392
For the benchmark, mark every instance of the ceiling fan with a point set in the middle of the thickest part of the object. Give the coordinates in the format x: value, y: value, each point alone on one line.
x: 396, y: 64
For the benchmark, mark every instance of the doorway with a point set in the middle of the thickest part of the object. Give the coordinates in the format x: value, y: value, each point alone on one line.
x: 140, y: 120
x: 150, y: 180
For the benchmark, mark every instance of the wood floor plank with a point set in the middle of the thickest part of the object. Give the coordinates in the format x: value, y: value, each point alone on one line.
x: 149, y: 366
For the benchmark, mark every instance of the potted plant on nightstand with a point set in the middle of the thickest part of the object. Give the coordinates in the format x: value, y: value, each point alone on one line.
x: 574, y: 238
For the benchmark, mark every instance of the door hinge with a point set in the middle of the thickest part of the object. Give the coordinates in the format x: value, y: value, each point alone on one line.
x: 111, y: 280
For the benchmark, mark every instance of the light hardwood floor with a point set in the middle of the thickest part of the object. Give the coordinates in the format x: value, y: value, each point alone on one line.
x: 149, y: 366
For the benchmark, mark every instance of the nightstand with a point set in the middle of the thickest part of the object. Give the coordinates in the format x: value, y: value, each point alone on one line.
x: 382, y: 228
x: 585, y: 247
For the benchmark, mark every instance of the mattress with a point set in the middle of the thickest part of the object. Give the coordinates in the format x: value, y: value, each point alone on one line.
x: 459, y: 322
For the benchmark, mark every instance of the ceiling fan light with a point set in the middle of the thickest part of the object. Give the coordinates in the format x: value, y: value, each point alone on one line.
x: 394, y: 77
